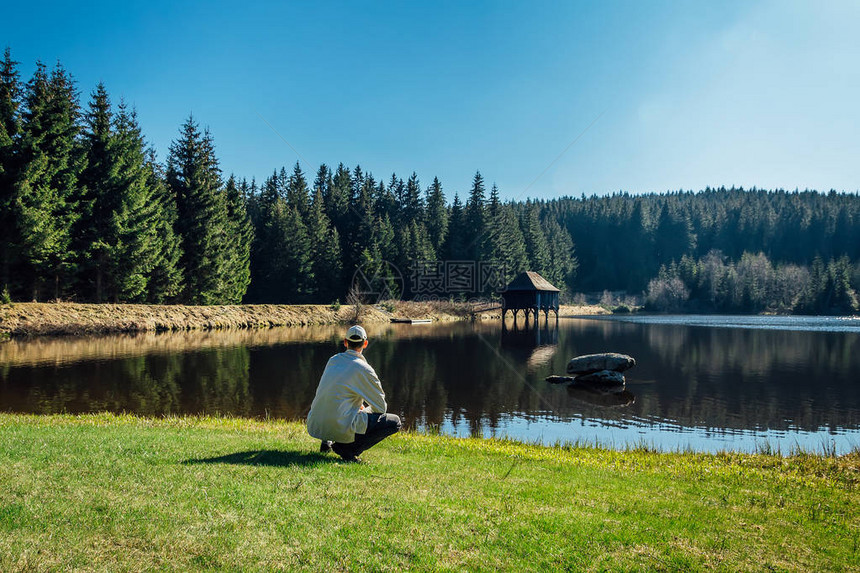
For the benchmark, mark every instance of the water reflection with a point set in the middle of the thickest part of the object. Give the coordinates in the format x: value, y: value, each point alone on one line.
x: 538, y: 340
x: 597, y: 397
x: 66, y: 350
x: 213, y: 380
x: 711, y: 384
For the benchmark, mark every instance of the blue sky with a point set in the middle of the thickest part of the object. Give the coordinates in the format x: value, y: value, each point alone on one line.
x: 654, y: 96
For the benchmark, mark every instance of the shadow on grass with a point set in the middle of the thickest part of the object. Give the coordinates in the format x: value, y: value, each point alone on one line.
x: 275, y: 458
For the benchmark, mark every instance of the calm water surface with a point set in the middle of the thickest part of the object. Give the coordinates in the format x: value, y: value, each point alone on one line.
x: 706, y: 383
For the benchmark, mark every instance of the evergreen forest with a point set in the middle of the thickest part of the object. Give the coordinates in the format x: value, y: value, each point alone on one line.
x: 89, y: 213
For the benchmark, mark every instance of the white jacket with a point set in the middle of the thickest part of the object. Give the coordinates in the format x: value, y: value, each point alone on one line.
x: 347, y: 382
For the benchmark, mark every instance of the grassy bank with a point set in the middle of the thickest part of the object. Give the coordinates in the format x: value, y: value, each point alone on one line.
x: 40, y: 319
x: 124, y: 493
x: 57, y: 319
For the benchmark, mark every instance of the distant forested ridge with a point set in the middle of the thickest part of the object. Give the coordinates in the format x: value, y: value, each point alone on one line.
x: 728, y: 250
x: 88, y: 213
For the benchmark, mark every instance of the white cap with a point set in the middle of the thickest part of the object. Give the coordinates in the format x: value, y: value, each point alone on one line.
x: 356, y: 334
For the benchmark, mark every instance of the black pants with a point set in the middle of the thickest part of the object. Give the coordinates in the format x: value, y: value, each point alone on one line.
x: 379, y: 427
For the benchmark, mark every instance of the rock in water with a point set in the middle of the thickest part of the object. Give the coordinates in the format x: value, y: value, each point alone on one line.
x: 558, y: 379
x: 596, y: 362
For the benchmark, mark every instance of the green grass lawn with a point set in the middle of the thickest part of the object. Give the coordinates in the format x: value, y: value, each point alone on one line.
x: 124, y: 493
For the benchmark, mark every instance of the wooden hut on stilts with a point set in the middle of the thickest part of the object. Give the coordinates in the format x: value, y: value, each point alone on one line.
x: 531, y: 293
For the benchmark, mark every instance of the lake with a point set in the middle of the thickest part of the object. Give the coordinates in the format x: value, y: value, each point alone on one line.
x: 706, y: 383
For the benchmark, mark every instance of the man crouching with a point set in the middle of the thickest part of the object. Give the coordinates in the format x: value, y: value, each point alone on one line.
x: 348, y: 411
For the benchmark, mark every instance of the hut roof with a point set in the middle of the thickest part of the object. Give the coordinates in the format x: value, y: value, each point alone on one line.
x: 530, y: 280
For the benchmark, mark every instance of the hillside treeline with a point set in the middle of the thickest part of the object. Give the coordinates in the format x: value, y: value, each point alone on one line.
x: 754, y: 284
x: 622, y: 240
x: 88, y: 213
x: 309, y: 243
x: 720, y: 250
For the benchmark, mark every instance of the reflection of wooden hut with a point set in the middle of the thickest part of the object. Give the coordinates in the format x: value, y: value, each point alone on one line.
x: 526, y: 336
x: 531, y: 293
x: 536, y: 344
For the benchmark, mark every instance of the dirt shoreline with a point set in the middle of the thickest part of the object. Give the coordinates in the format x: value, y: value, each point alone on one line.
x: 64, y: 319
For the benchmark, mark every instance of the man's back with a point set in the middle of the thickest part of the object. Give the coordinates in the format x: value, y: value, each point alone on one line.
x: 336, y: 412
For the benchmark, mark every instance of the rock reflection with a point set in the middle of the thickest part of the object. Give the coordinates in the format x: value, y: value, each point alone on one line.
x: 596, y: 397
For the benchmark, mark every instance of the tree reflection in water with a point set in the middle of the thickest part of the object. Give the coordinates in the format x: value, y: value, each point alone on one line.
x: 460, y: 375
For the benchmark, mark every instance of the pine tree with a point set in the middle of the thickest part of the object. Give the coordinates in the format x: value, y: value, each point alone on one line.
x: 491, y: 217
x: 120, y: 231
x: 263, y: 247
x: 47, y: 186
x: 494, y: 202
x: 282, y: 182
x: 135, y: 220
x: 10, y: 126
x: 337, y: 199
x: 239, y: 236
x: 385, y: 202
x: 504, y: 242
x: 455, y: 246
x: 283, y: 248
x: 325, y: 253
x: 413, y: 204
x: 844, y: 300
x: 475, y: 227
x: 165, y: 283
x: 358, y: 177
x: 291, y: 268
x: 562, y: 260
x: 194, y: 178
x: 269, y: 194
x: 437, y: 215
x: 322, y: 181
x: 537, y: 248
x: 298, y: 194
x: 362, y: 221
x: 384, y: 239
x: 397, y: 191
x: 414, y: 246
x: 96, y: 233
x: 252, y: 200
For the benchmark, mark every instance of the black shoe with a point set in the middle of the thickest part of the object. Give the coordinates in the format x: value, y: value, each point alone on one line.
x: 345, y: 453
x: 325, y: 446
